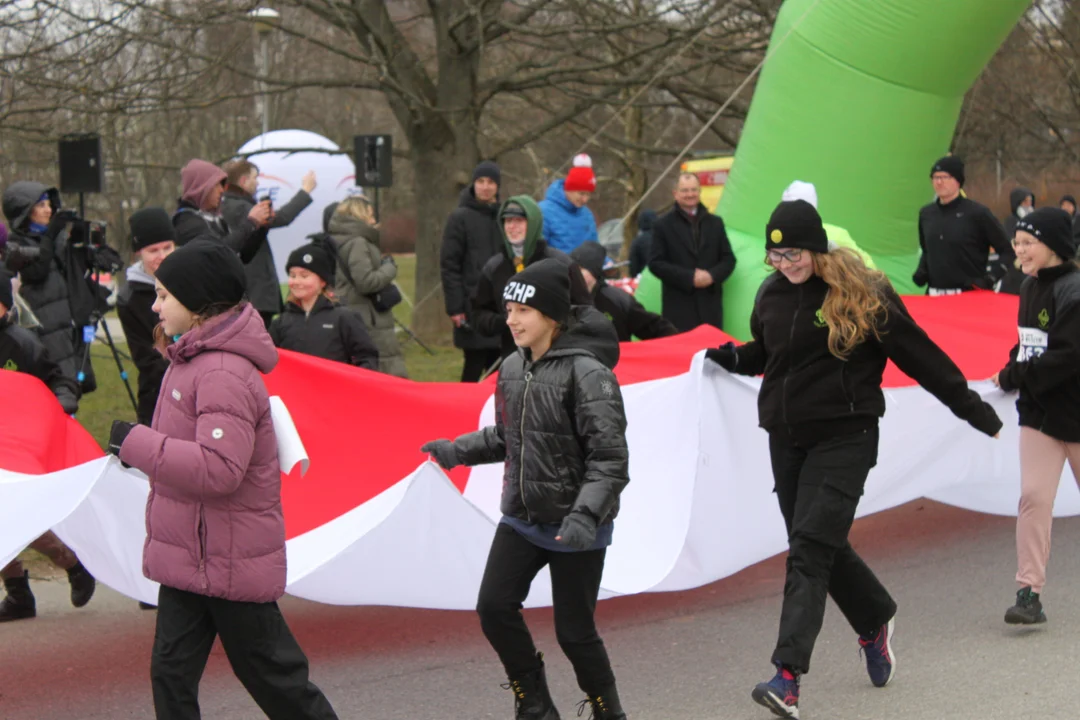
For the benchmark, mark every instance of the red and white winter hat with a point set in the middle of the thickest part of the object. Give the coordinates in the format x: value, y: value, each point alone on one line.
x: 581, y: 177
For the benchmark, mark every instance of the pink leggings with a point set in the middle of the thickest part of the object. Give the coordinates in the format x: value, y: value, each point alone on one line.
x: 1042, y: 458
x: 51, y: 547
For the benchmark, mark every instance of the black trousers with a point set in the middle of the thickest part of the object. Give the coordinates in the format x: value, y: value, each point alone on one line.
x: 263, y: 653
x: 267, y: 318
x: 476, y: 362
x: 575, y: 583
x: 818, y: 488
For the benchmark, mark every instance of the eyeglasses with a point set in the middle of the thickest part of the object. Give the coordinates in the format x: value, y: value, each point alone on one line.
x: 773, y: 257
x: 1025, y: 244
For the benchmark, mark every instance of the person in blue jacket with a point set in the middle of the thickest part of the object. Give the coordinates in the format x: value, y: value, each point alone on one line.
x: 567, y: 220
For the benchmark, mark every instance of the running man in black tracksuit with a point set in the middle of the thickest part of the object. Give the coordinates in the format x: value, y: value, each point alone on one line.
x: 560, y: 429
x: 625, y: 313
x: 313, y: 323
x: 1044, y: 367
x: 820, y: 401
x: 956, y: 236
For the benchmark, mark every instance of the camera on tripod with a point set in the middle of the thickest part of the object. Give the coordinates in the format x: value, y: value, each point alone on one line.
x: 88, y: 239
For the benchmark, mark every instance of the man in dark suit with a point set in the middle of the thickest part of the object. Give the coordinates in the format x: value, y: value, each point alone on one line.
x: 692, y: 257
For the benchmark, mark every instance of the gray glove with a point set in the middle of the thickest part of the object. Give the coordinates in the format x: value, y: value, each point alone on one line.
x: 578, y: 531
x: 445, y: 453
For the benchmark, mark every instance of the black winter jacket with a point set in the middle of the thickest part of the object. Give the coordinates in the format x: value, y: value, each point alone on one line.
x: 560, y: 428
x: 191, y: 223
x: 22, y: 351
x: 628, y: 316
x: 813, y: 394
x: 1045, y: 364
x: 488, y: 306
x: 44, y: 282
x: 137, y: 318
x: 680, y: 245
x: 955, y: 240
x: 330, y: 331
x: 263, y: 289
x: 471, y: 238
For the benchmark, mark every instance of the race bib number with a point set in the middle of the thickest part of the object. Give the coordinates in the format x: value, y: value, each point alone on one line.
x: 1032, y: 344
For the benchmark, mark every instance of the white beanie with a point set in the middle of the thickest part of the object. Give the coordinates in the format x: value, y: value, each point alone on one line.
x: 800, y: 190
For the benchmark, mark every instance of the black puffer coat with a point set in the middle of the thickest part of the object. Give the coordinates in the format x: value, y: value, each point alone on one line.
x: 560, y: 427
x: 471, y: 238
x: 44, y: 287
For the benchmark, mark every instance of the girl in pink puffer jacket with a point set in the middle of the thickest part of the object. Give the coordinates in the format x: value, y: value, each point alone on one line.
x: 215, y: 535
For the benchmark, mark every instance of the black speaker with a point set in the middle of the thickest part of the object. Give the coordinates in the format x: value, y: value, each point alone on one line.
x: 373, y: 155
x: 80, y: 164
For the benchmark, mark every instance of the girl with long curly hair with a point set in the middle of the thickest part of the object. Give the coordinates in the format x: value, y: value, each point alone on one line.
x: 823, y: 326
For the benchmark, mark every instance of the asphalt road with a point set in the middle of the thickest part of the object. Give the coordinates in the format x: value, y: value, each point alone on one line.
x: 678, y: 656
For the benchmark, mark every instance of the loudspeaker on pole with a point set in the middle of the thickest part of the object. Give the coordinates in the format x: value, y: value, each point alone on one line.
x: 81, y: 170
x: 373, y: 155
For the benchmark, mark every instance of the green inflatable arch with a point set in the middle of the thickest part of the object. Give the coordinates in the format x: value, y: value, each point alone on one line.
x: 860, y: 100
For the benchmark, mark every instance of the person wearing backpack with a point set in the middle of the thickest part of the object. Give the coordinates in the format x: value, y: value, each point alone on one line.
x: 365, y: 278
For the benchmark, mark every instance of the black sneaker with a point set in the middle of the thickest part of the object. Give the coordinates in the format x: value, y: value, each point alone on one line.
x: 1028, y: 609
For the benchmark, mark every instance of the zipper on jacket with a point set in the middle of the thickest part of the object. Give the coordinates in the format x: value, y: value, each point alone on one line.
x: 521, y: 460
x: 843, y: 386
x: 202, y: 548
x: 791, y: 342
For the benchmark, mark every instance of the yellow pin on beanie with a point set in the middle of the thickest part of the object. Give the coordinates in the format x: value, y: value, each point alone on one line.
x: 796, y: 224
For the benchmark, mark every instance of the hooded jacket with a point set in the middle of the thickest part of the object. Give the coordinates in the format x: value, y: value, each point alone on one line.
x: 489, y: 310
x: 214, y: 524
x: 565, y: 226
x: 22, y: 351
x: 329, y: 331
x: 640, y: 245
x: 199, y: 178
x: 44, y: 282
x: 358, y: 252
x: 1016, y: 198
x: 813, y: 395
x: 560, y: 427
x: 134, y: 307
x: 471, y: 238
x: 628, y: 316
x: 264, y: 291
x: 1044, y: 365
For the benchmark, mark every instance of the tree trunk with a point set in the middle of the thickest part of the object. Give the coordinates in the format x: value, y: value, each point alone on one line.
x: 437, y: 185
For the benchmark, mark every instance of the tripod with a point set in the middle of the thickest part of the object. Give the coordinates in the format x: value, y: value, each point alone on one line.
x: 90, y: 334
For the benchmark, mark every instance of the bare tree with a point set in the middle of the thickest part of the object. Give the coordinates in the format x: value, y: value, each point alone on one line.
x: 462, y: 80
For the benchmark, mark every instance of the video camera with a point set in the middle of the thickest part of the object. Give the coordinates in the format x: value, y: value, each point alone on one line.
x: 88, y: 239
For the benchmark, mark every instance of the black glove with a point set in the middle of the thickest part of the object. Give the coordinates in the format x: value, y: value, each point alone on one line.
x: 59, y: 219
x: 725, y: 356
x: 68, y: 402
x: 118, y: 434
x: 920, y: 278
x: 445, y: 453
x: 578, y: 531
